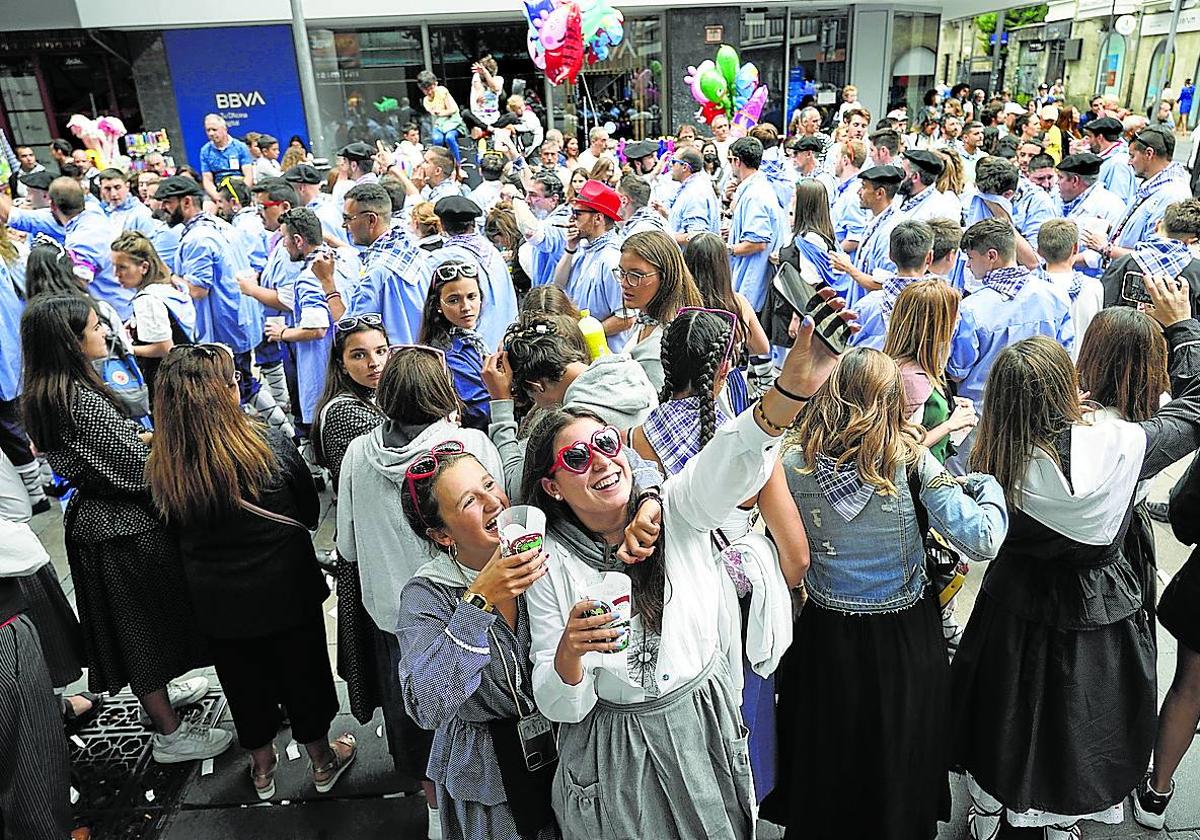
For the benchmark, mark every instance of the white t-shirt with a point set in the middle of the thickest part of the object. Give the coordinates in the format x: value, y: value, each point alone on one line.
x: 1086, y: 304
x: 266, y: 168
x: 151, y: 321
x: 485, y: 102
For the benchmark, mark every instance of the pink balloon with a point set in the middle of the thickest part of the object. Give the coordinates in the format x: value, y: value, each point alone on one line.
x: 554, y: 28
x: 536, y: 53
x: 756, y: 102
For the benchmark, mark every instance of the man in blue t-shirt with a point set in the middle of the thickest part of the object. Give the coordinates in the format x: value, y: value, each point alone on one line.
x: 223, y: 156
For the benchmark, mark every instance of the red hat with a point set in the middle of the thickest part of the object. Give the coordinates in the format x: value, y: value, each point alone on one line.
x: 594, y: 195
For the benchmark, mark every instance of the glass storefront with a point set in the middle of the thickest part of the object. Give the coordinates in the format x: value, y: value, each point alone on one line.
x: 819, y: 45
x: 914, y: 58
x: 1157, y: 60
x: 456, y: 48
x: 763, y: 43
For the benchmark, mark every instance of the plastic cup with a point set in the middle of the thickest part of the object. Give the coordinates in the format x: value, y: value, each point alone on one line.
x: 521, y: 528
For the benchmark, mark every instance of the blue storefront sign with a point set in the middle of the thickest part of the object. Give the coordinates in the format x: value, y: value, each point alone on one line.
x: 222, y: 71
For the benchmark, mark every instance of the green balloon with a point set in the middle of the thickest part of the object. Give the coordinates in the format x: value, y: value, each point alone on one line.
x: 727, y: 63
x: 655, y: 66
x: 714, y: 86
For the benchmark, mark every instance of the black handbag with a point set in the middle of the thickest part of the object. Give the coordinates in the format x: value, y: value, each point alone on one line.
x: 946, y: 569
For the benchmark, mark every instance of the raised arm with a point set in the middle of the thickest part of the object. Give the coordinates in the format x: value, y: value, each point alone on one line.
x: 1174, y: 431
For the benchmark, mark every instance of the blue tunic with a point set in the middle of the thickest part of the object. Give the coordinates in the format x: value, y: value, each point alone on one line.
x: 1149, y: 204
x: 130, y: 215
x: 38, y: 221
x: 548, y: 245
x: 874, y: 253
x: 988, y: 322
x: 330, y: 216
x: 279, y: 274
x: 848, y: 215
x: 10, y: 336
x: 499, y: 307
x: 252, y: 235
x: 696, y: 208
x: 592, y: 285
x: 1031, y: 208
x: 89, y: 241
x: 207, y: 259
x: 393, y: 283
x: 755, y: 219
x: 309, y: 309
x: 165, y: 240
x: 1116, y: 175
x: 873, y: 332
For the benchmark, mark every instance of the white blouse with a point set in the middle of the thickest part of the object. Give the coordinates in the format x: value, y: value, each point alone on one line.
x: 700, y: 618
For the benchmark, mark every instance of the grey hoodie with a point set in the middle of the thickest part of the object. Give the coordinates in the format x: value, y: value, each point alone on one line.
x: 615, y: 387
x: 371, y: 528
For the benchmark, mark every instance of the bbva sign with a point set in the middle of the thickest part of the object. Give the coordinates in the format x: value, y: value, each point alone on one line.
x: 239, y: 100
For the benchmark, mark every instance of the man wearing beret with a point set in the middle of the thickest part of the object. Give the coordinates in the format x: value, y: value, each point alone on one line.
x: 464, y: 243
x: 306, y: 181
x: 872, y: 261
x: 1087, y: 202
x: 1104, y: 138
x: 357, y: 164
x: 921, y: 200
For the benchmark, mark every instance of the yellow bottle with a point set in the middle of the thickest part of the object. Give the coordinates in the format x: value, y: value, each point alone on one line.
x: 593, y: 335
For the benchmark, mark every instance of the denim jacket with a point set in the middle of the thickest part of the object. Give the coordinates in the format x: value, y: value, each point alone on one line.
x: 876, y: 562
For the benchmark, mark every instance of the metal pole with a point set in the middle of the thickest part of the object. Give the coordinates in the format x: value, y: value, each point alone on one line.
x: 997, y: 81
x: 308, y: 79
x: 1164, y: 75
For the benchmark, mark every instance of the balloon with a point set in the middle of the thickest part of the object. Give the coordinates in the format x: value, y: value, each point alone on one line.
x: 758, y: 100
x: 713, y: 86
x: 553, y: 30
x: 655, y: 66
x: 537, y: 10
x: 565, y: 60
x: 727, y: 63
x: 610, y: 127
x: 386, y: 104
x: 746, y: 80
x: 537, y: 53
x: 710, y: 111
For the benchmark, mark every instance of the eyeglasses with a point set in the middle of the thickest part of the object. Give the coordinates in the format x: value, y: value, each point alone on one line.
x: 723, y: 314
x: 440, y: 355
x: 263, y: 205
x: 353, y: 322
x: 576, y: 212
x: 577, y: 457
x: 450, y: 270
x: 425, y: 466
x: 632, y: 279
x: 207, y: 349
x: 348, y: 219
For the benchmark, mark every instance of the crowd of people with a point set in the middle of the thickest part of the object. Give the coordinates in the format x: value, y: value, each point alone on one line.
x: 775, y: 394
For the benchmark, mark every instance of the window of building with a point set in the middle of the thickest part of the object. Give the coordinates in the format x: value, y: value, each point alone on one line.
x: 1112, y: 69
x: 763, y: 37
x: 818, y: 43
x: 1157, y: 58
x: 914, y: 58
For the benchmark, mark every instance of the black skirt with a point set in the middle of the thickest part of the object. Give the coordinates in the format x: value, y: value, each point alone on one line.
x: 57, y: 627
x: 1051, y: 718
x: 1138, y: 548
x: 1179, y: 609
x: 863, y: 698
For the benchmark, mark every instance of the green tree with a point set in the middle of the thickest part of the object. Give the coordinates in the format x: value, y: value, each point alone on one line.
x: 985, y: 24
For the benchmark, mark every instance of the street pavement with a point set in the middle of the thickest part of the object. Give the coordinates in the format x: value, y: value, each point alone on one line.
x: 371, y: 801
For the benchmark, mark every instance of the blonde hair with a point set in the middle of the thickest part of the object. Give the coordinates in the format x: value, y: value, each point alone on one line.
x: 922, y: 326
x: 953, y: 178
x: 515, y: 100
x: 135, y: 245
x: 858, y: 416
x: 425, y: 219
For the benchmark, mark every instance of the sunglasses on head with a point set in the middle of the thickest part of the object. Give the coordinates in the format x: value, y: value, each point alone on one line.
x: 353, y: 322
x: 426, y: 466
x: 440, y: 355
x: 724, y: 315
x: 452, y: 270
x: 577, y: 458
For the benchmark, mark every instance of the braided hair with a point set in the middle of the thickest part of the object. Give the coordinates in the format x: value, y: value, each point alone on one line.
x: 693, y: 350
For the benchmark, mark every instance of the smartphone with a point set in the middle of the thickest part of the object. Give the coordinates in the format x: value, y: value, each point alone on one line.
x: 1133, y: 288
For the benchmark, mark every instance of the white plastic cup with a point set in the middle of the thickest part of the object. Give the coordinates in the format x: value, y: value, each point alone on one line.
x: 521, y: 528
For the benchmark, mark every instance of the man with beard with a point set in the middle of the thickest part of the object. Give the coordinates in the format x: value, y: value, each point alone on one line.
x: 209, y: 263
x: 885, y: 147
x: 465, y: 244
x: 872, y: 259
x: 543, y: 217
x: 921, y: 200
x: 695, y: 209
x: 163, y: 236
x: 970, y: 148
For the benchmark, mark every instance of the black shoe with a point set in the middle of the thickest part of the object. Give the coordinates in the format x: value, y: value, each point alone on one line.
x: 41, y: 506
x: 1150, y: 806
x: 1158, y: 511
x: 75, y: 722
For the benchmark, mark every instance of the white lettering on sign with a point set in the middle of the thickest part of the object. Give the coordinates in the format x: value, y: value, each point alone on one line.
x: 239, y: 100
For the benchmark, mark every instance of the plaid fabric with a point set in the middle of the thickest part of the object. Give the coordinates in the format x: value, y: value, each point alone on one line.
x: 647, y: 218
x: 1007, y: 281
x: 874, y: 224
x: 1173, y: 172
x: 1158, y: 255
x: 1069, y: 206
x: 599, y: 243
x: 472, y: 338
x: 673, y: 431
x: 913, y: 202
x: 393, y: 251
x: 842, y: 487
x: 892, y: 287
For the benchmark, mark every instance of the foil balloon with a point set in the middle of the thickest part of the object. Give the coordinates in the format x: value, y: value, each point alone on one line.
x: 564, y: 60
x: 553, y: 29
x: 746, y: 80
x: 727, y: 63
x: 713, y: 86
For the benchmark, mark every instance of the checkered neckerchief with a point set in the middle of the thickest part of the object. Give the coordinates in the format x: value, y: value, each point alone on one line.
x: 1007, y: 281
x: 842, y: 486
x: 1161, y: 256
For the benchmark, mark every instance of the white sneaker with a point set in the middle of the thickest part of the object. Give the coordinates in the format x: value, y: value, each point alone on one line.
x: 435, y: 824
x: 190, y: 742
x: 180, y: 693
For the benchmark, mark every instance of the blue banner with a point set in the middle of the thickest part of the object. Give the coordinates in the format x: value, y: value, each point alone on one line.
x: 247, y: 74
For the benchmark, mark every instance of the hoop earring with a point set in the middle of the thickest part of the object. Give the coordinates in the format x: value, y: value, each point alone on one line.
x: 452, y: 550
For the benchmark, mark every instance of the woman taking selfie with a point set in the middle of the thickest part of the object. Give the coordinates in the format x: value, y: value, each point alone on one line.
x: 242, y: 502
x: 1057, y: 655
x: 129, y: 583
x: 666, y: 683
x: 464, y: 667
x: 864, y: 486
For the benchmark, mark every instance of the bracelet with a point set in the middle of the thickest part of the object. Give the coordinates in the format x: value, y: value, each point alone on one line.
x: 331, y: 295
x: 791, y: 396
x: 645, y: 496
x: 762, y: 415
x: 569, y: 250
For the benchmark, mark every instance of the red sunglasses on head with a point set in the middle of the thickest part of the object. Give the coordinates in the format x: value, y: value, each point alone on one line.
x: 577, y: 457
x: 424, y: 466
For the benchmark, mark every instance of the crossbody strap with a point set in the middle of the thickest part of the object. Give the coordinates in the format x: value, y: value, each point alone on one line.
x: 262, y: 512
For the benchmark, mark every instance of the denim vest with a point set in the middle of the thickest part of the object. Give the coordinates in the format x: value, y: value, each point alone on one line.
x: 873, y: 563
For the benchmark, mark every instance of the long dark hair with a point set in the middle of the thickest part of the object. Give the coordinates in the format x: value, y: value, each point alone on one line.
x: 812, y: 211
x: 435, y: 328
x: 54, y: 366
x: 1123, y: 362
x: 49, y: 271
x: 649, y: 578
x: 707, y: 258
x: 207, y: 452
x: 692, y: 352
x: 338, y: 381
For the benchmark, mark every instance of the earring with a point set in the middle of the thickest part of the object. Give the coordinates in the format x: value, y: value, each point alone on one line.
x: 452, y: 550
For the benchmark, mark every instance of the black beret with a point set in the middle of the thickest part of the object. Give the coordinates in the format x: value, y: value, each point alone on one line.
x: 177, y: 186
x: 303, y: 173
x: 1108, y: 126
x: 357, y: 151
x: 457, y: 208
x: 1084, y: 163
x: 39, y: 180
x: 927, y: 161
x: 808, y: 144
x: 640, y: 149
x: 886, y: 174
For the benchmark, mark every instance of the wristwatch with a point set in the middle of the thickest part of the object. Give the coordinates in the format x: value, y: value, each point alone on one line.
x: 477, y: 600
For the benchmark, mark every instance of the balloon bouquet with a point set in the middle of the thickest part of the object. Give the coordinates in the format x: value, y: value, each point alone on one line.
x: 564, y: 32
x: 726, y: 86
